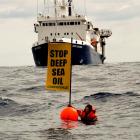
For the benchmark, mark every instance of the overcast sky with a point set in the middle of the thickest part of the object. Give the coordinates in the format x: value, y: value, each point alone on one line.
x: 121, y: 16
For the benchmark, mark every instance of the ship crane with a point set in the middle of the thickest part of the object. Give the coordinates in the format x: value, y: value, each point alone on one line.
x: 104, y: 33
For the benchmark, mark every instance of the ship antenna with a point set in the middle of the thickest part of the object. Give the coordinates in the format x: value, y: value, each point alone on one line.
x: 37, y: 8
x: 85, y: 4
x: 48, y: 6
x: 69, y: 7
x: 55, y: 8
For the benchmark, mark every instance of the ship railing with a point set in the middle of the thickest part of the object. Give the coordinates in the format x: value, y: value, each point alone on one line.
x: 105, y: 33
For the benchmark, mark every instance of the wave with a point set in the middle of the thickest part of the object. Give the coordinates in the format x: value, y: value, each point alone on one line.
x: 33, y: 88
x: 103, y: 95
x: 6, y: 102
x: 131, y: 94
x: 56, y: 133
x: 9, y: 107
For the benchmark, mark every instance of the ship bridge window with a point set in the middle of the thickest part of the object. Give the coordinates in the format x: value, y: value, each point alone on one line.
x: 66, y: 23
x: 44, y: 24
x: 71, y: 23
x: 61, y: 23
x: 51, y: 24
x: 48, y: 24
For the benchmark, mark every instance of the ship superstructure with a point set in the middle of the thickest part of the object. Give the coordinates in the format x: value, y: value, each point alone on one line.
x: 88, y: 41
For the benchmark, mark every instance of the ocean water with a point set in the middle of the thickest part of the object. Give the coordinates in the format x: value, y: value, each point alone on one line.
x: 29, y: 112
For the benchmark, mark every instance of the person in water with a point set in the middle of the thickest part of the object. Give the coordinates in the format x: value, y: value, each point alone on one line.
x: 88, y: 114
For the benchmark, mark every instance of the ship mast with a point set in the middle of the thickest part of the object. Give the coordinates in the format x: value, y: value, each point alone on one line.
x: 69, y: 8
x: 55, y: 10
x: 60, y: 8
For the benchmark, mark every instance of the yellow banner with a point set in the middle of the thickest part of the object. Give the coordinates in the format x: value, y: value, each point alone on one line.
x: 59, y: 66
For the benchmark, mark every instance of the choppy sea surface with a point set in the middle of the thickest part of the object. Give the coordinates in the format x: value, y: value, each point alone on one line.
x: 29, y: 112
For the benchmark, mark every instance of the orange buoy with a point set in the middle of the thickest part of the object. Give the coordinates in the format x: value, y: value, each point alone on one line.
x: 69, y: 113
